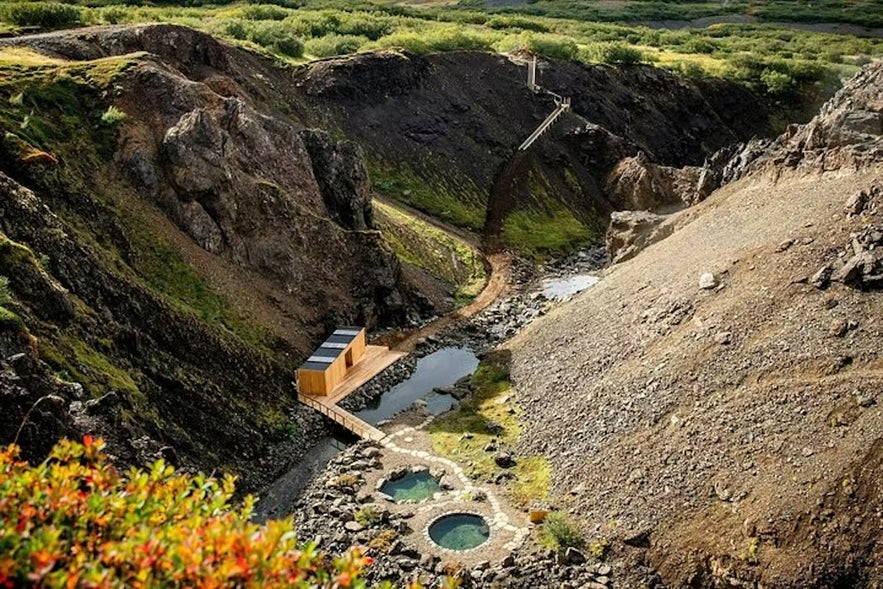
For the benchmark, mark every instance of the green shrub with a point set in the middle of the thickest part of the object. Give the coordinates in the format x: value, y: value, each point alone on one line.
x: 618, y: 53
x: 47, y: 15
x: 777, y: 83
x: 263, y: 12
x: 444, y: 39
x: 235, y: 28
x: 688, y: 69
x: 548, y: 45
x: 288, y: 44
x: 277, y: 37
x: 516, y: 22
x: 113, y: 15
x: 367, y: 516
x: 333, y: 44
x: 559, y: 532
x: 113, y: 115
x: 74, y: 521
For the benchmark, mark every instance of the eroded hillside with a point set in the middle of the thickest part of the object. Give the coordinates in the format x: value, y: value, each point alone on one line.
x: 438, y: 128
x: 174, y: 245
x: 726, y: 429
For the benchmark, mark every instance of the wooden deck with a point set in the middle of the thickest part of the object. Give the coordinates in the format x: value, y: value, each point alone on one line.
x: 375, y: 360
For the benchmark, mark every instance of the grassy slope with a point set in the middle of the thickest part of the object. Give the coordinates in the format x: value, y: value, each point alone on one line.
x: 51, y: 109
x: 441, y: 254
x: 491, y: 415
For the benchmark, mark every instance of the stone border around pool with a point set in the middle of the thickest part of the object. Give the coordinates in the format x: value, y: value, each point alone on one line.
x: 492, y: 531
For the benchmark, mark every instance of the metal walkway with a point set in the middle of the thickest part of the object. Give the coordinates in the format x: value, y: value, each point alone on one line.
x: 562, y: 107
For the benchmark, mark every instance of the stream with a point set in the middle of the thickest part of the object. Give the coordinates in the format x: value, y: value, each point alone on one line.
x: 437, y: 370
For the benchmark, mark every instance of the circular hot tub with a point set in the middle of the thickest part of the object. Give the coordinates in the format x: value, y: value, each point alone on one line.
x: 413, y: 486
x: 459, y: 531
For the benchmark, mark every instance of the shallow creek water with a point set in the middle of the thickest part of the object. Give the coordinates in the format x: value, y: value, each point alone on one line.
x: 561, y: 289
x: 441, y: 368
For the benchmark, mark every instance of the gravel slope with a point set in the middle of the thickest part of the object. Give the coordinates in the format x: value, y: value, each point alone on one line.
x: 734, y: 434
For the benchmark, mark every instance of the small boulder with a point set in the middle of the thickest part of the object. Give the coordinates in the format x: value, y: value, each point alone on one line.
x: 504, y: 460
x: 707, y: 281
x: 574, y: 556
x: 822, y: 278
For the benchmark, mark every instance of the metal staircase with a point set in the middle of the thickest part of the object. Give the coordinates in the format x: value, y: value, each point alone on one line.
x: 562, y: 105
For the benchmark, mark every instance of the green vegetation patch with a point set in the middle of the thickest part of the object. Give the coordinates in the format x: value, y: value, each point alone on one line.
x: 76, y: 360
x: 529, y: 232
x: 491, y: 415
x: 441, y: 254
x: 459, y: 207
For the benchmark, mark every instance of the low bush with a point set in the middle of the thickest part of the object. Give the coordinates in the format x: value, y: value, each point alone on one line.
x: 47, y: 15
x: 559, y: 532
x: 333, y: 44
x: 263, y: 12
x: 112, y: 116
x: 444, y: 39
x: 548, y: 45
x: 73, y: 520
x: 275, y: 36
x: 618, y: 53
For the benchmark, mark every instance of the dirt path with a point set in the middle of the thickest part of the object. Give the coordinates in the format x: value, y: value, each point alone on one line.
x: 498, y: 279
x: 495, y: 287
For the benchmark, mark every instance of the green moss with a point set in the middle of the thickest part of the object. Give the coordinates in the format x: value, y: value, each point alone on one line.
x: 432, y: 196
x: 491, y: 414
x: 10, y: 319
x: 79, y: 361
x: 442, y: 254
x: 531, y: 232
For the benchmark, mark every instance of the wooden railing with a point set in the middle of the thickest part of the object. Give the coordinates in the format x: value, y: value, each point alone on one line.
x: 344, y: 418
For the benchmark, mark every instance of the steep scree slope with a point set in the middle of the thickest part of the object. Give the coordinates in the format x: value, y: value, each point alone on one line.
x: 732, y: 436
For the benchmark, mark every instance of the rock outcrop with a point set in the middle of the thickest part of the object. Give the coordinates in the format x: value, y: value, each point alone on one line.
x: 630, y: 232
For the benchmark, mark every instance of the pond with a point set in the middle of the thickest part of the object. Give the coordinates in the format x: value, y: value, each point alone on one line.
x: 561, y: 289
x: 440, y: 369
x: 414, y: 486
x: 459, y: 531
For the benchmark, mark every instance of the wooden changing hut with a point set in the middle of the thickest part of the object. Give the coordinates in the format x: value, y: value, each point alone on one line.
x: 328, y: 365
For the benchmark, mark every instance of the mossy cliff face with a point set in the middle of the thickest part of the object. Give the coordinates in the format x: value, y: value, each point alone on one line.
x: 173, y: 247
x: 441, y: 131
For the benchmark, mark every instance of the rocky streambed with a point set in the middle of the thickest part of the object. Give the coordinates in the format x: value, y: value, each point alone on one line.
x: 331, y: 493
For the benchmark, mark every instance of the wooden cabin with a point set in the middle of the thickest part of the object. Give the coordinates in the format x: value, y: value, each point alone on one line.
x: 330, y: 362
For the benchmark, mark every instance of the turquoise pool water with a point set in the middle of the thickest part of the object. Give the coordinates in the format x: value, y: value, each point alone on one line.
x: 414, y: 486
x: 459, y: 531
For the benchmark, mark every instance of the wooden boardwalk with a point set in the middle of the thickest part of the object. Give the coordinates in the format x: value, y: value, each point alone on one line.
x: 375, y: 360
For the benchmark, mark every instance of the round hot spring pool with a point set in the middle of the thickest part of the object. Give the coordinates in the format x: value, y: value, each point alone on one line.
x: 459, y: 531
x: 413, y: 486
